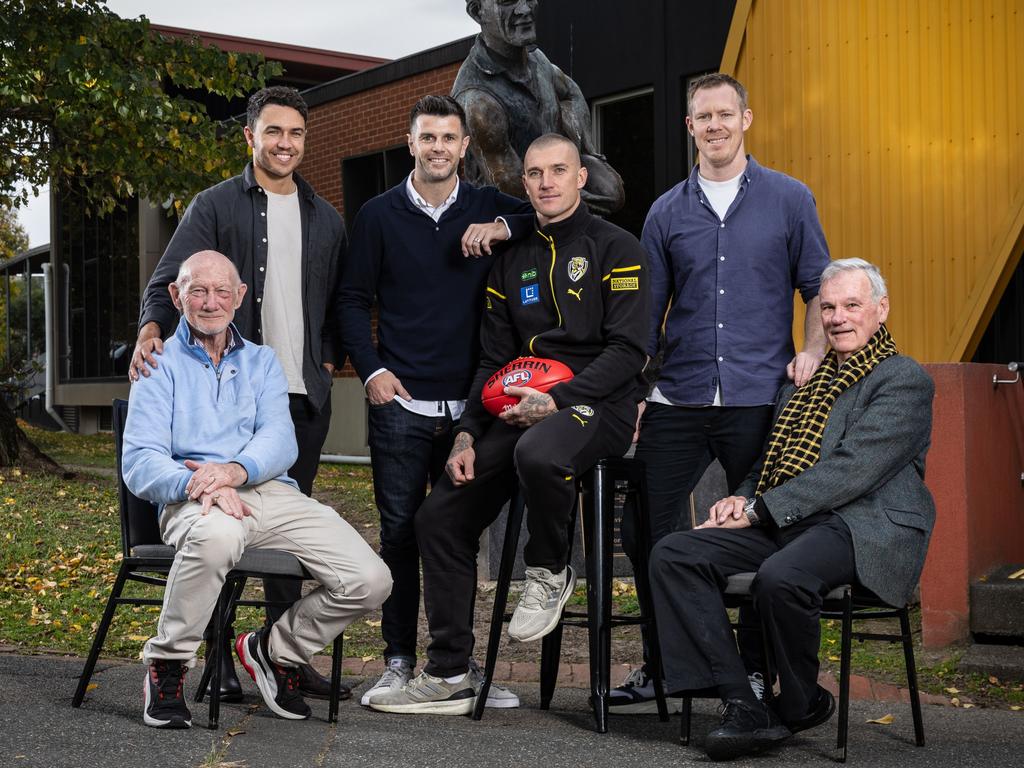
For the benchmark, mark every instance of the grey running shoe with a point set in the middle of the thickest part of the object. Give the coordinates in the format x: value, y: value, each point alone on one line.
x: 636, y: 697
x: 498, y: 696
x: 540, y: 605
x: 429, y: 695
x: 397, y: 673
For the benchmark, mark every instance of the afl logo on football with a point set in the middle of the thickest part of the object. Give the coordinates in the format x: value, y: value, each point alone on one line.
x: 577, y: 268
x: 517, y: 379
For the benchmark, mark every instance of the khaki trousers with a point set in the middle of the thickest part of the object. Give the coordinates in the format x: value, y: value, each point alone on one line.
x: 352, y: 578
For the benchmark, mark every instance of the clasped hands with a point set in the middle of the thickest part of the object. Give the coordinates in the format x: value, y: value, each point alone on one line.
x: 727, y: 513
x: 214, y: 485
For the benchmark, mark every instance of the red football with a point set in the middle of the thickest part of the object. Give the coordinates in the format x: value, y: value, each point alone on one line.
x: 537, y: 372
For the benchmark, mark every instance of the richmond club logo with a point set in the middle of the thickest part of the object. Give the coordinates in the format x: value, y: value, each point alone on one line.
x: 577, y: 268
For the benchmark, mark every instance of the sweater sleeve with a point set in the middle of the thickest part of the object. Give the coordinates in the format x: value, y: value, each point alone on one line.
x: 149, y: 470
x: 626, y: 297
x: 499, y: 343
x: 358, y: 290
x: 518, y: 214
x: 196, y: 232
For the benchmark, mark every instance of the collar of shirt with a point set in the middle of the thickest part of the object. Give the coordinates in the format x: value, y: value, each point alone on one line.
x: 234, y: 340
x: 427, y: 208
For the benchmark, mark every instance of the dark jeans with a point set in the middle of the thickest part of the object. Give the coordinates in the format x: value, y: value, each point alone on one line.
x: 677, y: 444
x: 408, y: 451
x: 310, y: 433
x: 547, y: 458
x: 796, y: 567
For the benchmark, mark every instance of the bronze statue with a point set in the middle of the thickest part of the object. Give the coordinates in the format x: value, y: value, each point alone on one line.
x: 512, y: 94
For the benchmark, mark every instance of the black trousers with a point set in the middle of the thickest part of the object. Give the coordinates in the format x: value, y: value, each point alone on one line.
x: 547, y: 458
x: 311, y: 429
x: 796, y: 567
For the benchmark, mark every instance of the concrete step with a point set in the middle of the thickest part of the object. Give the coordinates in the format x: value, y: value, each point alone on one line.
x: 997, y: 603
x: 1004, y: 661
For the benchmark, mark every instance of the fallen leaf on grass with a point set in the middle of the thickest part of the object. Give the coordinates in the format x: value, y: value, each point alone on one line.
x: 883, y: 720
x: 367, y: 658
x: 955, y: 701
x: 833, y: 658
x: 138, y: 638
x: 952, y: 690
x: 1015, y: 708
x: 993, y: 679
x: 372, y: 623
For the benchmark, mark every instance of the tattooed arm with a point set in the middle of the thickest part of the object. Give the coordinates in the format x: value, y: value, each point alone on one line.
x: 460, y: 461
x: 533, y: 407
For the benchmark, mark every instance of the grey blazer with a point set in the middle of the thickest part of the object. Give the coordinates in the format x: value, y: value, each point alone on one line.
x: 871, y: 473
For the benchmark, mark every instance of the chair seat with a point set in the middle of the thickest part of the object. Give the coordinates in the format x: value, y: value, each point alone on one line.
x: 262, y: 562
x: 740, y: 583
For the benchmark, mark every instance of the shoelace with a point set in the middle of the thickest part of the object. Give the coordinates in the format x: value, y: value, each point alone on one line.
x: 392, y: 673
x: 538, y: 590
x: 173, y: 680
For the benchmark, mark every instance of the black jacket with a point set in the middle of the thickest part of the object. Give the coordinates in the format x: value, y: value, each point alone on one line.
x: 230, y: 217
x: 575, y: 291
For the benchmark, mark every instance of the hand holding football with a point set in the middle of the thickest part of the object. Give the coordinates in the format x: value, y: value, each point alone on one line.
x: 535, y: 372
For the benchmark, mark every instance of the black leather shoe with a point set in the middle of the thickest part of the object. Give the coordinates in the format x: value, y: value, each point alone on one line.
x: 230, y: 688
x: 821, y: 710
x: 314, y: 685
x: 747, y: 728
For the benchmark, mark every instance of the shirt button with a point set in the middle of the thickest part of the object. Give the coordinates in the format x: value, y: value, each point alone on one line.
x: 264, y: 239
x: 261, y: 269
x: 721, y: 258
x: 263, y: 213
x: 721, y: 290
x: 260, y: 188
x: 722, y: 225
x: 259, y: 300
x: 721, y: 325
x: 721, y: 359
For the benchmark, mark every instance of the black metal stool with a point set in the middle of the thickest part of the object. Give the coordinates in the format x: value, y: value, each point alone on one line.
x: 597, y: 502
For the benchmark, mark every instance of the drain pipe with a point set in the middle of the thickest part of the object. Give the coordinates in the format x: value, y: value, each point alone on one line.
x: 51, y: 352
x: 331, y: 458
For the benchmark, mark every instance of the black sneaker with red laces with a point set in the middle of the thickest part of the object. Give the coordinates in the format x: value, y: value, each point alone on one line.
x: 278, y: 685
x: 162, y: 693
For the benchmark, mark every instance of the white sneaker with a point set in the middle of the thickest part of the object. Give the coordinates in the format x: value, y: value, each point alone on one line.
x: 540, y: 605
x: 636, y: 697
x: 498, y: 696
x: 397, y: 673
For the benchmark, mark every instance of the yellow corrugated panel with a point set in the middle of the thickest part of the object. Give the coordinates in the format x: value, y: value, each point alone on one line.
x: 906, y: 120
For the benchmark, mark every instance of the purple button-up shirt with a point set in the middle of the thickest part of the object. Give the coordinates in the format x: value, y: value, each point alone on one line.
x: 731, y: 282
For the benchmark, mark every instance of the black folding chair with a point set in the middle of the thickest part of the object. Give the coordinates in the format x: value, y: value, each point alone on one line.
x: 147, y: 560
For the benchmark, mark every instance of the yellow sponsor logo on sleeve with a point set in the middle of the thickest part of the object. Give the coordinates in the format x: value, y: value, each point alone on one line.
x: 625, y: 283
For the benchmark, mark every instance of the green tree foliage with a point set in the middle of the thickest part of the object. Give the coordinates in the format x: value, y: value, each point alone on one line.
x: 13, y: 237
x: 109, y: 108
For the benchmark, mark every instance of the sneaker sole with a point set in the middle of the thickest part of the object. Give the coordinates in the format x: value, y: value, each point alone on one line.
x: 729, y: 748
x: 649, y: 707
x: 265, y: 686
x: 570, y: 585
x: 457, y: 707
x: 152, y: 722
x: 509, y: 703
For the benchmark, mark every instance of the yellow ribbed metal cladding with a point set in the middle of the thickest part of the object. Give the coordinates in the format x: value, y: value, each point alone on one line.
x: 906, y: 119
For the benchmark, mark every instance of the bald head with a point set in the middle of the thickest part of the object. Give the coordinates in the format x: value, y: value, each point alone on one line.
x: 548, y: 140
x: 203, y: 261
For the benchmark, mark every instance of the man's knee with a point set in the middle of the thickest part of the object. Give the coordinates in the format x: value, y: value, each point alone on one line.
x: 674, y: 555
x: 778, y: 581
x: 372, y: 586
x: 532, y: 463
x: 218, y: 538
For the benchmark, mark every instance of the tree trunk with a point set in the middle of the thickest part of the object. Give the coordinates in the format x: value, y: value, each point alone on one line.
x: 17, y: 450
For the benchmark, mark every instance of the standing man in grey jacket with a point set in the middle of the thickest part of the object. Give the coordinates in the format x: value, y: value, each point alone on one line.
x: 837, y: 498
x: 288, y: 244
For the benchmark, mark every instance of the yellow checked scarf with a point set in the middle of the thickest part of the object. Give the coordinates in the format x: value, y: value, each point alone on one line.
x: 795, y: 442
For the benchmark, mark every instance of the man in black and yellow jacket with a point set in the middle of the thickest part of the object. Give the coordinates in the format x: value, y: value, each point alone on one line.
x: 577, y: 292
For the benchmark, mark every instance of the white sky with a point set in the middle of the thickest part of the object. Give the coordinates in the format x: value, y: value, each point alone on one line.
x: 386, y: 28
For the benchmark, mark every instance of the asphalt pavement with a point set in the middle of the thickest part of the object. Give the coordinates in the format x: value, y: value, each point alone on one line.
x: 39, y: 728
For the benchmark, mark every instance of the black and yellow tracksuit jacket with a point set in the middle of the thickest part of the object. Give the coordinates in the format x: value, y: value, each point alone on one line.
x: 575, y: 291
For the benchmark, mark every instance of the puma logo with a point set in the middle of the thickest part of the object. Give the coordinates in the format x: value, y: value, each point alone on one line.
x: 571, y: 292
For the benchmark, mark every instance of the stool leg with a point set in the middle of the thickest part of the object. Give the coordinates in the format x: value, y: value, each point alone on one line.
x: 684, y: 721
x: 550, y: 658
x: 337, y: 653
x: 844, y: 673
x: 508, y: 560
x: 915, y: 698
x: 599, y: 589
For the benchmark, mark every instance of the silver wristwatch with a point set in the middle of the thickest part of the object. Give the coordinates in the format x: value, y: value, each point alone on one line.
x: 751, y: 513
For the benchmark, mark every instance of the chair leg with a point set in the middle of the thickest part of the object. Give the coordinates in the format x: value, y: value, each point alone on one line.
x: 844, y: 673
x: 508, y: 560
x: 101, y: 636
x: 550, y: 661
x: 908, y: 655
x: 224, y: 601
x: 231, y: 592
x: 337, y: 654
x: 684, y: 721
x: 599, y: 588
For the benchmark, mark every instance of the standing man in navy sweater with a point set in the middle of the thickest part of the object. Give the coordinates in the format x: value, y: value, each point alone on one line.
x: 420, y: 252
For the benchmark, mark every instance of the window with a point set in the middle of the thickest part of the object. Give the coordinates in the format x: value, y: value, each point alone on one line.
x: 624, y: 133
x: 366, y: 176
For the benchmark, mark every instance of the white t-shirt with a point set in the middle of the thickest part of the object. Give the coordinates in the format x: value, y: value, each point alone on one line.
x: 281, y: 311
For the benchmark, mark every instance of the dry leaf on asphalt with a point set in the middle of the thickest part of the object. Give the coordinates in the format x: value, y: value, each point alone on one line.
x: 883, y: 720
x: 235, y: 731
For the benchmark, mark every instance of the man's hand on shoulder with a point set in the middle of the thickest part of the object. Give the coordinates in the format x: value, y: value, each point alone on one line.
x: 478, y: 238
x: 147, y: 346
x: 227, y: 500
x: 211, y: 477
x: 382, y: 388
x: 802, y: 367
x: 461, y: 459
x: 533, y: 407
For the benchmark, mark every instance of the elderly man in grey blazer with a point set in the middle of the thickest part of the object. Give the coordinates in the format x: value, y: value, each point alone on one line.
x: 838, y: 497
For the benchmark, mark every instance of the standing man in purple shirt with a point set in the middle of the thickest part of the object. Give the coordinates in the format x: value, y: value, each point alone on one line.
x: 728, y: 246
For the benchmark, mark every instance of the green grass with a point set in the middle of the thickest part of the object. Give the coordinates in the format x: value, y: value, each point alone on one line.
x: 77, y: 450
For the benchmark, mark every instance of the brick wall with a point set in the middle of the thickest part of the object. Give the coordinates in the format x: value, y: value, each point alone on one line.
x: 368, y: 121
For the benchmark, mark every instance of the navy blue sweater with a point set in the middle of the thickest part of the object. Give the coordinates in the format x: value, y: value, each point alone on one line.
x: 429, y: 296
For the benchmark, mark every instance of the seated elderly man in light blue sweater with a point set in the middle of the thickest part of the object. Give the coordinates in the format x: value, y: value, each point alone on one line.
x: 209, y: 438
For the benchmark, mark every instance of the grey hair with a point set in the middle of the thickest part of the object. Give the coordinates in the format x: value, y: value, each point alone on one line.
x: 837, y: 267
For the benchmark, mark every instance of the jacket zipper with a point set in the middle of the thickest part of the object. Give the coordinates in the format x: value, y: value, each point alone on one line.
x: 551, y: 282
